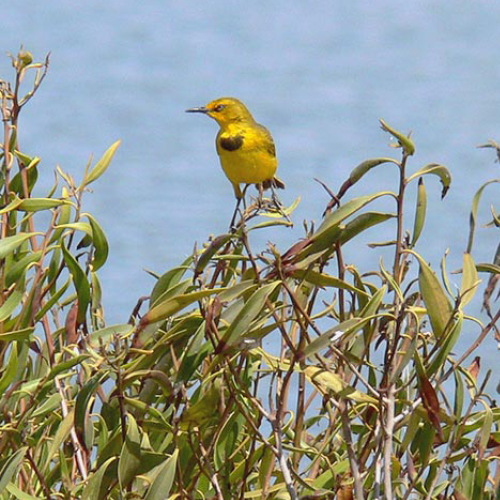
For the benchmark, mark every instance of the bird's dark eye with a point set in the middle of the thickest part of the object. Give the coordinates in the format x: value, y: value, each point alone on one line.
x: 219, y: 107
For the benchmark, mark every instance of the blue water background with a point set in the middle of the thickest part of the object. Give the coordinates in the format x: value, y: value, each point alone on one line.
x: 318, y: 74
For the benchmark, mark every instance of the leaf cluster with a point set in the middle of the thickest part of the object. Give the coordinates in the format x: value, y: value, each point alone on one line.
x: 277, y: 374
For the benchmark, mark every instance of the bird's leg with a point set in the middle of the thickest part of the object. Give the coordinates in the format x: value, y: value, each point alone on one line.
x: 260, y: 202
x: 240, y: 196
x: 232, y: 227
x: 277, y: 203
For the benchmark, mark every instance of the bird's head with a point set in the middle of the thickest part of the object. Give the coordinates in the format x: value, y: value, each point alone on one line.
x: 225, y: 110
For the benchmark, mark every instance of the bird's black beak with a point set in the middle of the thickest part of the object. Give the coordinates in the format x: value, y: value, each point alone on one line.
x: 197, y: 110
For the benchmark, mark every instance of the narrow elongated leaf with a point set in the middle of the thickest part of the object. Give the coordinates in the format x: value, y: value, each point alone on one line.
x: 160, y: 487
x: 249, y: 312
x: 362, y: 223
x: 435, y: 169
x: 470, y: 280
x: 60, y: 437
x: 327, y: 382
x: 63, y: 219
x: 130, y: 457
x: 23, y: 334
x: 447, y: 345
x: 438, y: 306
x: 420, y: 212
x: 372, y: 307
x: 168, y: 281
x: 215, y: 245
x: 94, y: 488
x: 363, y: 168
x: 37, y: 204
x: 102, y: 165
x: 98, y: 337
x: 80, y: 281
x: 485, y: 267
x: 325, y: 280
x: 18, y: 269
x: 173, y: 305
x: 77, y: 226
x: 331, y: 228
x: 10, y: 467
x: 20, y: 495
x: 81, y: 408
x: 404, y: 141
x: 13, y: 300
x: 324, y: 340
x: 473, y: 212
x: 485, y: 432
x: 100, y: 242
x: 360, y: 171
x: 9, y: 371
x: 431, y: 402
x: 12, y: 205
x: 10, y: 243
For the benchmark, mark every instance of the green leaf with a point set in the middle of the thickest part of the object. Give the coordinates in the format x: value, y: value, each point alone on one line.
x: 37, y: 204
x: 10, y: 243
x: 100, y: 242
x: 367, y: 165
x: 82, y: 419
x: 95, y: 487
x: 420, y: 212
x: 438, y: 306
x: 215, y: 245
x: 391, y: 281
x: 485, y: 432
x: 13, y: 300
x: 404, y: 141
x: 130, y: 457
x: 24, y: 334
x: 372, y: 307
x: 102, y: 165
x: 327, y: 381
x: 485, y: 267
x: 161, y: 485
x: 63, y: 431
x: 167, y: 281
x: 173, y: 305
x: 9, y: 369
x: 10, y: 467
x: 98, y: 337
x: 12, y: 205
x: 473, y: 213
x: 435, y: 169
x: 20, y: 495
x: 19, y: 268
x: 53, y: 299
x: 80, y: 281
x: 63, y: 219
x: 323, y: 341
x: 446, y: 345
x: 84, y: 227
x: 248, y: 313
x: 325, y: 280
x: 470, y: 280
x: 363, y: 168
x: 329, y: 231
x: 362, y: 223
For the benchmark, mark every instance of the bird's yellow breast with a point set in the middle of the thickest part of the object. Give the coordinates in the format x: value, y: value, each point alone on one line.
x: 247, y: 153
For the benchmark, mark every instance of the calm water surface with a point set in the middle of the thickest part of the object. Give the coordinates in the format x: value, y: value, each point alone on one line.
x: 319, y: 75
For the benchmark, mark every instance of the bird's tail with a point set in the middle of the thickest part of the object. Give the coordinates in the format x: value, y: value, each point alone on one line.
x: 275, y: 182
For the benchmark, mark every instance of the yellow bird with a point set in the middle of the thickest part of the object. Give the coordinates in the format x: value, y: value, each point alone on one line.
x: 245, y: 148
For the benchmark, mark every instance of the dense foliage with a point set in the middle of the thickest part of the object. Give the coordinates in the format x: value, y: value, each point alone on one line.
x: 250, y: 373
